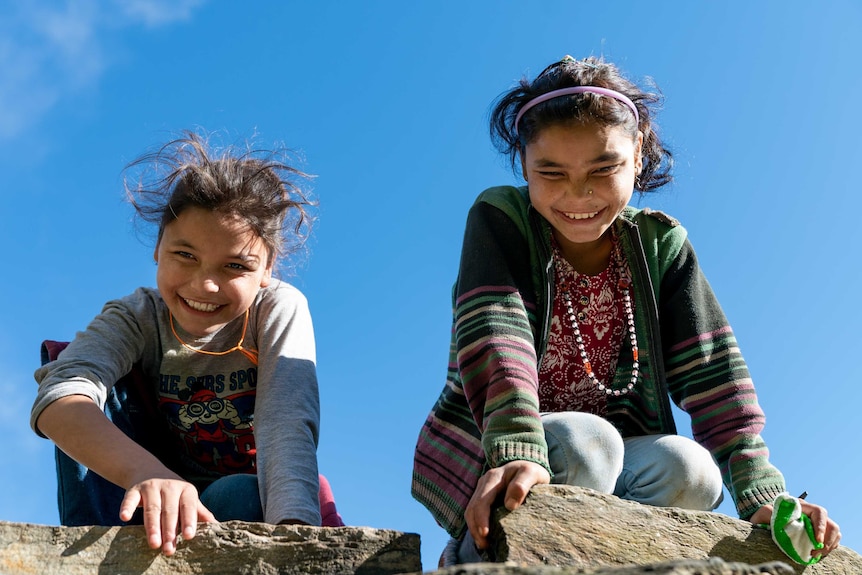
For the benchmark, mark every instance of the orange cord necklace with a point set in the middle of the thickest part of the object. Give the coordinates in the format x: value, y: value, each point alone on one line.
x: 251, y: 354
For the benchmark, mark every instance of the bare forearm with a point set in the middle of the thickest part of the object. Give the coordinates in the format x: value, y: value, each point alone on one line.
x: 79, y: 428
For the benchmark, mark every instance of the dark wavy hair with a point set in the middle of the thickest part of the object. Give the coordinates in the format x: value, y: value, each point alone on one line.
x: 255, y: 185
x: 510, y: 140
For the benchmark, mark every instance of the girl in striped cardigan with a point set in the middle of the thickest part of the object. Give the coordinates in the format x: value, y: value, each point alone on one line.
x: 577, y: 319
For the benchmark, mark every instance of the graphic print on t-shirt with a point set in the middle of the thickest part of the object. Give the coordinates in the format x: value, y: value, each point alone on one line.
x: 212, y: 417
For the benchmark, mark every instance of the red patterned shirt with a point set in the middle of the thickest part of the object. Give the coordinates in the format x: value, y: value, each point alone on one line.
x: 596, y: 300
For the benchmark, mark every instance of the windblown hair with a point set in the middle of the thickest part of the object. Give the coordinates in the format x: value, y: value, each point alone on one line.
x: 510, y: 139
x: 256, y: 186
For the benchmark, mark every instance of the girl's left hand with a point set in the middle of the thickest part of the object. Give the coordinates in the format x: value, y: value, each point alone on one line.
x: 826, y: 531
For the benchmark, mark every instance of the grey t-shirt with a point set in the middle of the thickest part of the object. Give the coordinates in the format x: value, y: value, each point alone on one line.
x: 224, y: 413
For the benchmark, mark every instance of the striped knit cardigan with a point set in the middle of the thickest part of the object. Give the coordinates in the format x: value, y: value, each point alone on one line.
x: 488, y: 411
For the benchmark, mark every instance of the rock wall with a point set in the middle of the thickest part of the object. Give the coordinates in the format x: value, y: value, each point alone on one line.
x: 559, y: 530
x: 691, y: 567
x: 569, y: 526
x: 229, y: 548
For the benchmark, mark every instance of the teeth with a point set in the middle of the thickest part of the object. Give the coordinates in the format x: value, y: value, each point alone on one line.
x: 196, y: 305
x: 574, y: 216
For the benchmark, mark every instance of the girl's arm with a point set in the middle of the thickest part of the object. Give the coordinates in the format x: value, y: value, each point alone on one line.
x: 708, y: 378
x: 494, y: 342
x: 488, y: 412
x: 497, y: 360
x: 80, y: 428
x: 287, y: 408
x: 68, y: 410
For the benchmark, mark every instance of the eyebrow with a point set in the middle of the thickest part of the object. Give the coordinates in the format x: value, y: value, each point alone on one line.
x: 600, y: 159
x: 180, y: 243
x: 183, y: 243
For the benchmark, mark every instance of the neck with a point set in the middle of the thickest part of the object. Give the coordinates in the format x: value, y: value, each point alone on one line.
x: 591, y: 258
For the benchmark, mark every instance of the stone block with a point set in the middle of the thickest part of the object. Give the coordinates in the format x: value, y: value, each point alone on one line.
x: 229, y: 548
x: 568, y: 526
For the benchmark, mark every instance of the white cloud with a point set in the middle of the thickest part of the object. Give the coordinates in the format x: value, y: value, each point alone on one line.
x: 158, y: 12
x: 52, y: 51
x: 23, y: 96
x: 70, y: 42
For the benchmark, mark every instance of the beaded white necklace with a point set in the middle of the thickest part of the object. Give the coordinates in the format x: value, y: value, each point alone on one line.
x: 623, y: 282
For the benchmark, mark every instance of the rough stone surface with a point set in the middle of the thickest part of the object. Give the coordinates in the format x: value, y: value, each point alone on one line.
x: 560, y: 530
x: 574, y: 527
x: 232, y: 547
x: 712, y: 566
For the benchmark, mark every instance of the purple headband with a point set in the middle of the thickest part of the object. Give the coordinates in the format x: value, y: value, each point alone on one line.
x: 576, y: 90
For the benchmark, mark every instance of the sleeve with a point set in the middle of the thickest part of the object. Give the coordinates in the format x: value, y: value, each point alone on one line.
x: 494, y: 344
x: 98, y: 356
x: 487, y: 413
x: 708, y: 378
x: 287, y: 408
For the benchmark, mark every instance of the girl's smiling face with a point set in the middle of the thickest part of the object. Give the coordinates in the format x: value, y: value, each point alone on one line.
x: 211, y: 267
x: 563, y: 163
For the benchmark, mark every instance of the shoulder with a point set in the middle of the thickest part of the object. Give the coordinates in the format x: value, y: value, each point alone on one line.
x: 662, y: 235
x: 144, y: 305
x: 500, y: 209
x: 650, y: 217
x: 117, y: 337
x: 660, y: 216
x: 279, y: 292
x: 278, y: 300
x: 654, y: 223
x: 281, y: 320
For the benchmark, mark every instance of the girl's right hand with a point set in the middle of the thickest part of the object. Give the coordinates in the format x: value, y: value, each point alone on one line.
x: 516, y: 478
x: 80, y: 428
x: 166, y: 503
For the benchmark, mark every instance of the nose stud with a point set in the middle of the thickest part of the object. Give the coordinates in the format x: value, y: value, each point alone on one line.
x: 589, y: 192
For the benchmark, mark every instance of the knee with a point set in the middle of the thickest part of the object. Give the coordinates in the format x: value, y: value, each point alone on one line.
x: 683, y: 474
x: 700, y: 477
x: 234, y: 497
x: 583, y: 450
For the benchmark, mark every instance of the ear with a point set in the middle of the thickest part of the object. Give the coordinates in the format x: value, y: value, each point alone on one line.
x: 639, y: 159
x: 156, y: 252
x: 524, y: 167
x: 267, y: 276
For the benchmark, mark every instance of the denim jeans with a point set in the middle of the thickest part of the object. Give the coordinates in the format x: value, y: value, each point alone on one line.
x: 234, y: 497
x: 84, y: 497
x: 660, y: 470
x: 663, y: 470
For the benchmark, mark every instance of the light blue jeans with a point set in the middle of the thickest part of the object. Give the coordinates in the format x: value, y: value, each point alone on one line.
x: 662, y: 470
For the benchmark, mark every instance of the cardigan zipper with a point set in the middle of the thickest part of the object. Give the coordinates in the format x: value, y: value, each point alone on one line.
x: 648, y: 297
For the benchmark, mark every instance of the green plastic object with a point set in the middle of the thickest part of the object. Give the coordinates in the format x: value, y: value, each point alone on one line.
x: 792, y: 530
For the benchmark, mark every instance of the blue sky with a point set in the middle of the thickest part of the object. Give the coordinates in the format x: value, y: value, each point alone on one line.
x: 386, y: 102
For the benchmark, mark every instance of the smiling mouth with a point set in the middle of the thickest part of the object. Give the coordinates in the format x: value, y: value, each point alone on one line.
x: 580, y: 215
x: 200, y: 306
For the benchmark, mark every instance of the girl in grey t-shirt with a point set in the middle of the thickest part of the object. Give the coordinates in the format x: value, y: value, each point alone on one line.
x: 225, y: 352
